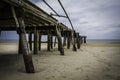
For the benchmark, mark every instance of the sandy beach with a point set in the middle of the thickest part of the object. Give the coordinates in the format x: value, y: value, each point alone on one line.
x: 92, y: 62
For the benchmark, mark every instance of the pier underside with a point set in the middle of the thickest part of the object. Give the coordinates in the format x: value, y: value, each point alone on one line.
x: 24, y: 17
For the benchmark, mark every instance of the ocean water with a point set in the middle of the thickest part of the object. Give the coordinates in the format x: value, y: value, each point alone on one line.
x: 8, y: 40
x: 103, y: 40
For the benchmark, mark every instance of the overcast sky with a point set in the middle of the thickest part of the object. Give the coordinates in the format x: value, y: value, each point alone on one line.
x: 94, y: 18
x: 97, y: 19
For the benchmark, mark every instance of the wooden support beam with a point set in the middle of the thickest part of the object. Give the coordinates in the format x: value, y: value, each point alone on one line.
x: 59, y: 41
x: 48, y: 41
x: 59, y: 45
x: 10, y: 28
x: 78, y: 40
x: 68, y: 39
x: 51, y: 42
x: 81, y: 39
x: 35, y: 41
x: 84, y: 39
x: 49, y: 27
x: 64, y: 41
x: 40, y: 41
x: 30, y: 40
x: 23, y: 41
x: 55, y: 41
x: 13, y: 28
x: 73, y: 41
x: 20, y: 51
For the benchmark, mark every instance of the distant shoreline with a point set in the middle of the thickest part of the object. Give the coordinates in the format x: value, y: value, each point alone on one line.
x: 88, y: 41
x: 103, y: 40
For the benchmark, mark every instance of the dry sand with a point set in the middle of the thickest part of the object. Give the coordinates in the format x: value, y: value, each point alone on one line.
x: 91, y: 62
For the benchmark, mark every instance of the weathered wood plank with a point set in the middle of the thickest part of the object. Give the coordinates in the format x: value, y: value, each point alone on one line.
x: 13, y: 28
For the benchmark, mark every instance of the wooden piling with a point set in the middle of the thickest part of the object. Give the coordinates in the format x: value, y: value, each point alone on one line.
x: 20, y: 51
x: 73, y: 41
x: 30, y: 40
x: 59, y: 41
x: 81, y: 39
x: 84, y: 39
x: 51, y: 42
x: 35, y: 41
x: 48, y: 41
x: 64, y: 41
x: 39, y: 41
x: 68, y: 39
x: 22, y: 37
x: 55, y: 41
x: 78, y: 41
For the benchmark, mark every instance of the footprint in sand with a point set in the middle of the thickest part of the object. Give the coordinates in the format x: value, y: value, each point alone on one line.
x: 63, y: 76
x: 102, y: 51
x: 79, y: 68
x: 107, y: 76
x: 87, y: 78
x: 106, y: 69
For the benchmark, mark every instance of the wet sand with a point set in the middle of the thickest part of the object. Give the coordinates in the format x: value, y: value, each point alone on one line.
x: 92, y: 62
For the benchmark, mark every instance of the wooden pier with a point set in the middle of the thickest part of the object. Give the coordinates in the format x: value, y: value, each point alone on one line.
x: 24, y: 17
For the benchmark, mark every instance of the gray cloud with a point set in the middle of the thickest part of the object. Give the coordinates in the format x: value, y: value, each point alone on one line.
x: 90, y: 17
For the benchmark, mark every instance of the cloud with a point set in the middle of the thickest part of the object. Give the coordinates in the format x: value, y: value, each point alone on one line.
x: 89, y: 17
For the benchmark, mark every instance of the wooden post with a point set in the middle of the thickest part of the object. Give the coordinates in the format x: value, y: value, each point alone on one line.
x: 55, y: 41
x: 59, y: 44
x: 22, y: 37
x: 64, y: 41
x: 81, y: 39
x: 84, y: 39
x: 59, y: 41
x: 40, y: 41
x: 73, y: 41
x: 68, y: 39
x: 35, y: 41
x: 30, y: 40
x: 78, y: 41
x: 51, y: 42
x: 48, y: 41
x: 20, y: 51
